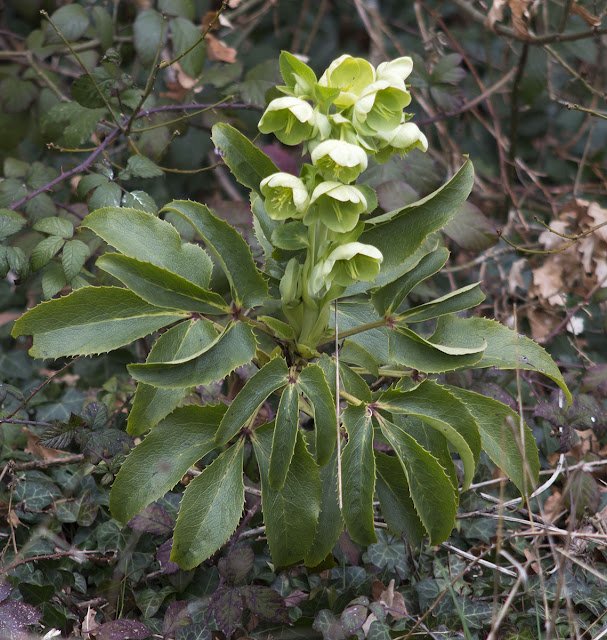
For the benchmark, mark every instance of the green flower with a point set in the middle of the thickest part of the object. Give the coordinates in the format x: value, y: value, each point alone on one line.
x: 339, y: 160
x: 353, y: 262
x: 338, y: 206
x: 401, y: 140
x: 290, y: 119
x: 350, y: 75
x: 380, y: 107
x: 395, y: 71
x: 285, y: 196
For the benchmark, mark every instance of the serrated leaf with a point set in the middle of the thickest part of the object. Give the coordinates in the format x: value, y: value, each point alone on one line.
x: 313, y: 384
x: 429, y: 485
x: 141, y: 167
x: 235, y: 347
x: 227, y: 608
x: 246, y: 404
x: 290, y: 514
x: 152, y: 519
x: 290, y: 236
x: 158, y: 463
x: 161, y: 287
x: 39, y: 175
x: 453, y: 302
x: 145, y: 237
x: 505, y: 349
x: 210, y: 509
x: 330, y: 522
x: 152, y: 404
x: 73, y: 257
x: 45, y: 250
x: 185, y: 35
x: 140, y: 200
x: 350, y: 381
x: 265, y: 603
x: 285, y: 435
x: 90, y: 320
x: 94, y: 89
x: 89, y: 182
x: 236, y: 566
x: 353, y: 353
x: 71, y: 21
x: 53, y: 280
x: 105, y: 195
x: 10, y: 223
x: 150, y: 35
x: 230, y: 250
x: 358, y: 473
x: 437, y: 407
x: 354, y: 313
x: 14, y: 168
x: 500, y: 430
x: 429, y: 356
x: 55, y: 226
x: 395, y: 500
x: 248, y: 164
x: 40, y: 206
x: 413, y: 223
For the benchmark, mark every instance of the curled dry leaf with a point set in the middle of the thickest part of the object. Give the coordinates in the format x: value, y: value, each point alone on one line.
x: 219, y: 51
x: 589, y: 18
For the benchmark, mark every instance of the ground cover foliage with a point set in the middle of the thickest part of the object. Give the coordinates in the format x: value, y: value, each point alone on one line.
x: 520, y: 90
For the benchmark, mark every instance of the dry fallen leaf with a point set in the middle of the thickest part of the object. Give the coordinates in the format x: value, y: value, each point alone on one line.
x: 219, y: 51
x: 496, y: 13
x: 38, y: 450
x: 530, y: 555
x: 553, y: 507
x: 589, y: 18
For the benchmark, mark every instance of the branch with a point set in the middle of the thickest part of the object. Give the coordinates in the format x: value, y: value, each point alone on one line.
x: 43, y: 464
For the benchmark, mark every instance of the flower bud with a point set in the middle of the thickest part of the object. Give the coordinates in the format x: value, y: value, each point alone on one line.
x: 338, y: 206
x: 285, y: 196
x: 290, y: 119
x: 401, y: 140
x: 350, y: 75
x: 290, y: 284
x: 339, y: 160
x: 352, y: 262
x: 380, y: 107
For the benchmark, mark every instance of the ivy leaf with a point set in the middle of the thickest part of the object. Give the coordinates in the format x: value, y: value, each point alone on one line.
x: 246, y: 404
x: 248, y: 164
x: 413, y: 223
x: 176, y: 616
x: 430, y: 487
x: 235, y: 347
x: 285, y: 435
x: 500, y: 431
x: 434, y: 405
x: 161, y: 287
x: 291, y: 513
x: 145, y: 237
x: 73, y: 258
x: 505, y: 349
x: 158, y: 463
x: 230, y: 250
x: 313, y: 384
x: 430, y: 356
x: 358, y: 472
x: 90, y: 320
x: 152, y: 404
x: 210, y: 509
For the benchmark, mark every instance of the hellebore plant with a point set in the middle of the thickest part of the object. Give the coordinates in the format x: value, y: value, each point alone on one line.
x: 326, y: 322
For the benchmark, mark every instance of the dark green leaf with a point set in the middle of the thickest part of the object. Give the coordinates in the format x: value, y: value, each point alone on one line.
x: 210, y: 509
x: 93, y: 90
x: 248, y: 164
x: 358, y: 473
x: 471, y: 229
x: 150, y: 35
x: 285, y: 435
x: 185, y: 35
x: 157, y: 464
x: 290, y: 236
x: 53, y: 280
x: 45, y: 250
x: 106, y: 195
x: 140, y: 167
x: 55, y: 226
x: 10, y: 223
x: 454, y: 302
x: 230, y: 250
x: 236, y: 566
x: 16, y: 94
x: 73, y: 258
x: 71, y: 21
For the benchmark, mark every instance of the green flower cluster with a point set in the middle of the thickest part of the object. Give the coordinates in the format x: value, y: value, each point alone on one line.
x: 352, y: 112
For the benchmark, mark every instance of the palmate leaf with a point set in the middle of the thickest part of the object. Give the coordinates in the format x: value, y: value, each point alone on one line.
x: 434, y: 405
x: 413, y: 223
x: 290, y: 514
x: 158, y: 463
x: 161, y: 287
x: 229, y: 249
x: 245, y: 405
x: 505, y: 348
x: 233, y: 348
x: 313, y: 384
x: 429, y: 486
x: 248, y: 164
x: 91, y: 320
x: 431, y: 356
x: 501, y: 437
x: 358, y: 474
x: 210, y: 509
x: 145, y: 237
x: 152, y: 404
x: 285, y: 435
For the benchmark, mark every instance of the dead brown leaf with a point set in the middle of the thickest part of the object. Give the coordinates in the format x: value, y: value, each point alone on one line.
x: 520, y: 16
x: 553, y: 507
x: 589, y: 18
x: 219, y: 51
x: 207, y: 19
x: 38, y: 450
x: 496, y: 13
x: 530, y: 555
